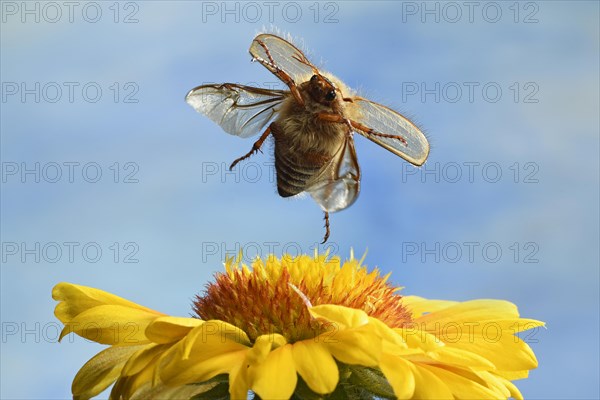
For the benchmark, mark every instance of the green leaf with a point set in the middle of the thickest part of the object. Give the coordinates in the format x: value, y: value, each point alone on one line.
x: 372, y: 380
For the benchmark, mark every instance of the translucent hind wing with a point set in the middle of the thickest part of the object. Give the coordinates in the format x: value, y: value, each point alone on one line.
x: 240, y: 110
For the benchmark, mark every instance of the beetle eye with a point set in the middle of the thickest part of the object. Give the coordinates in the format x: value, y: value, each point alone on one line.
x: 330, y: 95
x: 314, y: 78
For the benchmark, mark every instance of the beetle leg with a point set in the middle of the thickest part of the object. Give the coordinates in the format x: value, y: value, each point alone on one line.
x: 327, y: 231
x: 255, y: 147
x: 337, y: 118
x: 281, y: 74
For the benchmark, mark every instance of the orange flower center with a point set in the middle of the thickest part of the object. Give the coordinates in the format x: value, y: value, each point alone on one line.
x: 263, y: 301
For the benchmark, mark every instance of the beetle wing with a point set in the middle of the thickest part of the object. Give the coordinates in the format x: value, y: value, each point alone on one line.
x: 386, y: 121
x: 240, y: 110
x: 278, y: 54
x: 338, y: 184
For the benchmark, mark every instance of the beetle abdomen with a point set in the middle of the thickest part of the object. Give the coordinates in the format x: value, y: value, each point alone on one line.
x: 295, y: 170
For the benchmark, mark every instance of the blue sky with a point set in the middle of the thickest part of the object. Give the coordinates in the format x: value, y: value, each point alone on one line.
x: 506, y: 207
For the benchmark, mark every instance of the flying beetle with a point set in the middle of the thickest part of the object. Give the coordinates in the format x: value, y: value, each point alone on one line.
x: 312, y: 125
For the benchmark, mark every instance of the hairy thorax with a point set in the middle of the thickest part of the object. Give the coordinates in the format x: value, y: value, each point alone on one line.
x: 299, y: 128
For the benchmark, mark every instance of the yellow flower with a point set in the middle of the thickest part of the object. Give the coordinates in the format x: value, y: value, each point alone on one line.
x: 302, y: 327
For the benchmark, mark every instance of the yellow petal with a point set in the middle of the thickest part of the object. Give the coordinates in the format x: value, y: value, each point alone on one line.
x: 399, y: 374
x: 100, y: 371
x: 111, y: 324
x: 473, y: 310
x: 453, y: 356
x: 514, y: 391
x: 161, y: 391
x: 507, y: 352
x: 419, y: 339
x: 428, y: 385
x: 518, y: 324
x: 263, y: 346
x: 482, y: 378
x: 275, y: 377
x: 139, y: 370
x: 140, y: 359
x: 386, y: 333
x: 75, y: 299
x: 488, y: 379
x: 461, y: 387
x: 206, y: 361
x: 208, y: 350
x: 456, y: 331
x: 316, y: 366
x: 342, y: 317
x: 238, y: 381
x: 513, y: 375
x: 419, y: 305
x: 360, y: 346
x: 170, y: 329
x: 213, y: 331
